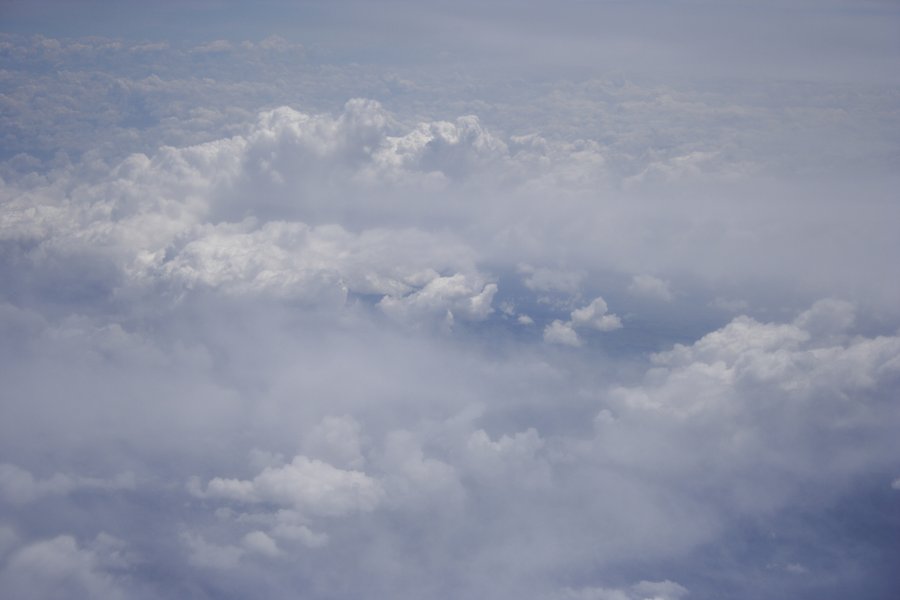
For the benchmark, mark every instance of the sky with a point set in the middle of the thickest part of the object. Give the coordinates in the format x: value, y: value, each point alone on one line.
x: 582, y: 300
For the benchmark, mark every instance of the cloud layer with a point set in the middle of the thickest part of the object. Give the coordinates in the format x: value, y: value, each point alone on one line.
x: 278, y: 324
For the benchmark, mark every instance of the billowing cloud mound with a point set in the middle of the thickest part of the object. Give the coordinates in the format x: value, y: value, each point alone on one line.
x: 306, y: 485
x: 278, y: 323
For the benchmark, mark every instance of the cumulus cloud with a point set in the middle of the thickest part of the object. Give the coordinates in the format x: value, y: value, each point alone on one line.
x: 321, y: 266
x: 302, y: 490
x: 559, y: 332
x: 774, y: 392
x: 595, y: 316
x: 144, y: 224
x: 307, y: 485
x: 452, y: 296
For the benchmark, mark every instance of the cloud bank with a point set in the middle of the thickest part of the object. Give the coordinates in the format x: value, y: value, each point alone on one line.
x: 277, y: 323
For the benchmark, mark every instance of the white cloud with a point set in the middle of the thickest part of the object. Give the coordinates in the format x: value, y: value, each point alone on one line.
x: 455, y: 151
x: 307, y: 485
x: 593, y: 316
x: 743, y: 336
x: 160, y: 235
x: 456, y: 296
x: 596, y: 316
x: 766, y: 399
x: 559, y: 332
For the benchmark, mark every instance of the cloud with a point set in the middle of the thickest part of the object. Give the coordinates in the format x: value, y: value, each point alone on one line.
x: 768, y: 399
x: 214, y: 46
x: 517, y: 456
x: 559, y: 332
x: 61, y: 568
x: 206, y: 555
x: 455, y: 151
x: 307, y: 485
x: 695, y: 165
x: 454, y: 296
x: 321, y: 266
x: 19, y: 486
x: 416, y: 481
x: 543, y: 279
x: 303, y: 280
x: 259, y: 543
x: 338, y: 441
x: 647, y: 286
x: 288, y: 530
x: 160, y: 234
x: 302, y: 490
x: 595, y: 316
x: 237, y: 290
x: 644, y: 590
x: 828, y: 316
